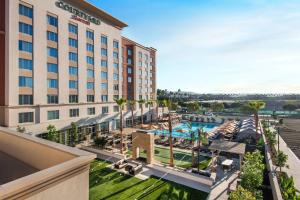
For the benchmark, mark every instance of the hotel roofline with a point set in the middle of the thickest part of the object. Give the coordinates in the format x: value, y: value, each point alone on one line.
x: 139, y: 45
x: 102, y: 14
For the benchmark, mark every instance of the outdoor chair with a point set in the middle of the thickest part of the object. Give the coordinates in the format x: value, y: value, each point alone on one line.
x: 135, y: 170
x: 121, y: 164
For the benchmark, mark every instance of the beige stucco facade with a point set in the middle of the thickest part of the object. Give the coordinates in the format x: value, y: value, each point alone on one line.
x: 60, y: 172
x: 109, y: 27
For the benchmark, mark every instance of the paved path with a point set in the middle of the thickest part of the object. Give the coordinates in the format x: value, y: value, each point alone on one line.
x: 219, y: 190
x: 293, y: 163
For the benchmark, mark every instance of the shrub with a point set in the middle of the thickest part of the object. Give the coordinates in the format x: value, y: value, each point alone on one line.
x: 100, y: 141
x: 241, y: 193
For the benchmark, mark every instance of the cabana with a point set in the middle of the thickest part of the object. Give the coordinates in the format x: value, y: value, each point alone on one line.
x: 229, y: 147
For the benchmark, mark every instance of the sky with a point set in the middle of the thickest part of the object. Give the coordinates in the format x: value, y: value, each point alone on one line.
x: 217, y: 46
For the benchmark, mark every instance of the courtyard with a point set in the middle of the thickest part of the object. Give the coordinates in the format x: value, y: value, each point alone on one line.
x: 106, y: 183
x: 182, y: 159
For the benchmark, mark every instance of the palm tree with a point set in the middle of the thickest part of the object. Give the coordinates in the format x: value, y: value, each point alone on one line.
x: 131, y: 104
x: 202, y: 139
x: 157, y: 102
x: 149, y: 104
x: 189, y: 126
x: 253, y: 107
x: 141, y: 103
x: 121, y: 102
x: 170, y: 105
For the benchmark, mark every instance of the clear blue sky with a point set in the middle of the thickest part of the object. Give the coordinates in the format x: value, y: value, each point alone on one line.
x: 211, y: 46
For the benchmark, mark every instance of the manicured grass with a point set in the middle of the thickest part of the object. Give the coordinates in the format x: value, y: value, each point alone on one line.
x: 181, y: 159
x: 109, y: 184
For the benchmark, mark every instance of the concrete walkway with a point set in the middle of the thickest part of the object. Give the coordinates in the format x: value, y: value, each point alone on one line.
x: 293, y: 163
x: 219, y: 190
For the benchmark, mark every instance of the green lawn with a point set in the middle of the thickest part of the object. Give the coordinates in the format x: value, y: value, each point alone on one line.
x: 106, y: 183
x: 181, y: 159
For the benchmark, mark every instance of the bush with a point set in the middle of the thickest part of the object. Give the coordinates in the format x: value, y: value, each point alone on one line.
x: 252, y: 171
x: 288, y: 189
x: 241, y: 194
x: 100, y: 141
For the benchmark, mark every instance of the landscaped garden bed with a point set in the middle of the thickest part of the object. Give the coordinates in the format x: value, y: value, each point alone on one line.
x: 106, y: 183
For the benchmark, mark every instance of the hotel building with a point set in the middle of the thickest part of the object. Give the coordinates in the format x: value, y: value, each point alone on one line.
x: 66, y: 61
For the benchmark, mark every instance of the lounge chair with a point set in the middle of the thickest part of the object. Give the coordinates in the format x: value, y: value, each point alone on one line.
x: 121, y: 164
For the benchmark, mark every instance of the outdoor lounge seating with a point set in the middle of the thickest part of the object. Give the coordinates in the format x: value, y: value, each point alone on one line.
x: 121, y: 164
x: 134, y: 168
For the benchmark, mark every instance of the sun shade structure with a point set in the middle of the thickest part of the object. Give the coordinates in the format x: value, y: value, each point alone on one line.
x: 230, y: 147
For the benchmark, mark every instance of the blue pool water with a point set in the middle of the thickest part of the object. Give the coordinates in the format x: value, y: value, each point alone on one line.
x: 207, y: 127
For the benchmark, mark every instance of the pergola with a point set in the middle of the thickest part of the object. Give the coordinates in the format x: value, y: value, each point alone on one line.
x: 229, y: 147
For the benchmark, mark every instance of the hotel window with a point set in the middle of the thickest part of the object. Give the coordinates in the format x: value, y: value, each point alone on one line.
x: 90, y: 85
x: 90, y: 47
x: 73, y: 56
x: 25, y: 64
x: 116, y: 108
x: 116, y: 96
x: 90, y: 98
x: 103, y: 40
x: 140, y: 97
x: 52, y: 20
x: 116, y: 87
x: 73, y: 42
x: 90, y: 73
x: 90, y: 60
x: 25, y: 46
x: 52, y: 99
x: 73, y: 98
x: 129, y: 79
x: 53, y: 114
x: 25, y: 117
x: 140, y: 72
x: 25, y: 28
x: 73, y: 84
x: 52, y: 52
x: 104, y: 98
x: 104, y: 109
x: 90, y: 35
x: 73, y: 29
x: 103, y: 52
x: 129, y: 52
x: 103, y: 63
x: 26, y: 11
x: 146, y: 57
x: 104, y: 86
x: 116, y: 77
x: 74, y: 112
x: 129, y: 70
x: 73, y: 71
x: 140, y: 81
x: 52, y: 36
x: 140, y: 55
x: 25, y: 81
x: 52, y: 83
x: 104, y: 75
x: 116, y: 55
x: 25, y: 99
x: 129, y: 61
x: 116, y: 44
x: 116, y: 66
x: 51, y: 67
x: 140, y: 64
x: 91, y: 111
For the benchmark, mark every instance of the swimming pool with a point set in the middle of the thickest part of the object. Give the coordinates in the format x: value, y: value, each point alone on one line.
x: 207, y: 127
